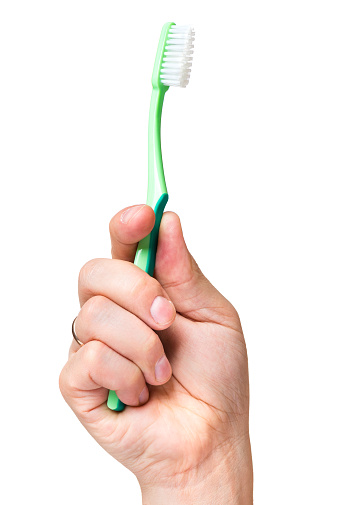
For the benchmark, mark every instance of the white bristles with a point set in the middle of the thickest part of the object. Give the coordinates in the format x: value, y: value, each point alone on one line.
x: 177, y: 57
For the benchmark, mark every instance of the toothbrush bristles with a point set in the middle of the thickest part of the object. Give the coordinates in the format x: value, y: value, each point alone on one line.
x: 177, y: 56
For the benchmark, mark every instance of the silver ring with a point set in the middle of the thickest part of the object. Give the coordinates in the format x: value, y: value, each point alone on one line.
x: 74, y: 333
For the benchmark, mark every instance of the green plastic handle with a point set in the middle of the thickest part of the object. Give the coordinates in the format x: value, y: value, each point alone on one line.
x: 145, y: 259
x: 157, y: 195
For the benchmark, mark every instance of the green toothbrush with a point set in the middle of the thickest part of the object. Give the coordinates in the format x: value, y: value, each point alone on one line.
x: 172, y: 67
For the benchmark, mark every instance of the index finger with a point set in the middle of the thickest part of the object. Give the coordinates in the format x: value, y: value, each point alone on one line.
x: 127, y: 228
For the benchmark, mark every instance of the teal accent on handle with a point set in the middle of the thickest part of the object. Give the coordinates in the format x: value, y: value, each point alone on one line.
x: 157, y: 195
x: 146, y: 250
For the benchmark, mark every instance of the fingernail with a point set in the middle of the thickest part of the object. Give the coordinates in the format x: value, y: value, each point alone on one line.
x: 162, y: 369
x: 128, y: 214
x: 162, y: 310
x: 144, y: 395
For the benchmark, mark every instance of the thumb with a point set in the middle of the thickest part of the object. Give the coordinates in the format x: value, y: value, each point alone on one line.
x: 176, y: 270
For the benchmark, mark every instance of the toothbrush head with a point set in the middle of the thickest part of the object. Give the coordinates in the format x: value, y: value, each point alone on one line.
x: 174, y: 57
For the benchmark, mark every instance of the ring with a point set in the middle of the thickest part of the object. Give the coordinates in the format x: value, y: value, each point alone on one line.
x: 74, y: 333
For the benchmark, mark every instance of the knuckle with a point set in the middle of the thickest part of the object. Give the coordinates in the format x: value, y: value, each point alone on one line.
x: 93, y: 310
x: 151, y: 344
x: 87, y: 272
x: 63, y: 383
x: 93, y: 353
x: 133, y: 378
x: 67, y: 381
x: 139, y: 286
x: 144, y: 286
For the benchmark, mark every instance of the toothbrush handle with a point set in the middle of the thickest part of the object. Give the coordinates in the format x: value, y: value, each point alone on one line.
x: 145, y: 259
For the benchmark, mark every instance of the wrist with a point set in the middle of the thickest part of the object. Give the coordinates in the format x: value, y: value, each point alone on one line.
x: 225, y: 479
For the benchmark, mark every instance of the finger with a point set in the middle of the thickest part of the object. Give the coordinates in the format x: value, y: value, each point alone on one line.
x: 179, y: 274
x: 127, y: 228
x: 95, y: 368
x: 101, y: 319
x: 128, y: 286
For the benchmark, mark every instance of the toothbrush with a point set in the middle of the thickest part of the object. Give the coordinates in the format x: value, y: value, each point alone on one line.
x: 172, y: 67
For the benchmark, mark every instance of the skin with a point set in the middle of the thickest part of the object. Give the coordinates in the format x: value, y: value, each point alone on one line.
x: 187, y: 441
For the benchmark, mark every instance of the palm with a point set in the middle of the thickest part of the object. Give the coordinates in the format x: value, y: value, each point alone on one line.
x: 185, y: 419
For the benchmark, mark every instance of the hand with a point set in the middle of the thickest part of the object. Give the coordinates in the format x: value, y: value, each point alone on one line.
x: 185, y: 436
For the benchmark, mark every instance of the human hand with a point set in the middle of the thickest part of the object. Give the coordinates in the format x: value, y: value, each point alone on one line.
x: 186, y: 435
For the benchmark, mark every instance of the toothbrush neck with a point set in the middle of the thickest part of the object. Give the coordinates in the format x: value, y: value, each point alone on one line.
x: 156, y: 178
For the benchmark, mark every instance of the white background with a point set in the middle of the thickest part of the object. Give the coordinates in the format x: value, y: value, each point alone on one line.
x: 252, y: 159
